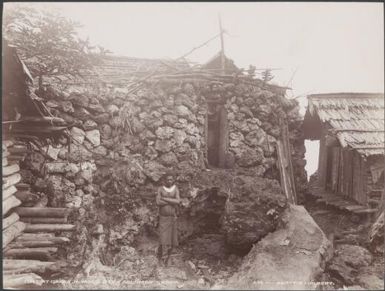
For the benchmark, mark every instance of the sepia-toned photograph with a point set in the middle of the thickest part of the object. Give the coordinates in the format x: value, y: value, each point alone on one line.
x: 193, y: 146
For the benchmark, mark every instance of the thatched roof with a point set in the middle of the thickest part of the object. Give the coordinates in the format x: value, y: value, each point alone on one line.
x: 121, y: 68
x: 355, y: 119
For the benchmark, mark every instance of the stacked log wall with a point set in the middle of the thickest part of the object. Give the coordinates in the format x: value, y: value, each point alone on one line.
x: 24, y: 253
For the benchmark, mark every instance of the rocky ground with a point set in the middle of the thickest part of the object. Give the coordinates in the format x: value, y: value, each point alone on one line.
x: 353, y: 266
x: 197, y: 264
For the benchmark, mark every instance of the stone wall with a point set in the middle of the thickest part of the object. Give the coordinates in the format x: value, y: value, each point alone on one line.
x: 123, y: 140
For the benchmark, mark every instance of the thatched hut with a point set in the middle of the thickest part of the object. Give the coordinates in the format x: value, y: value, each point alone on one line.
x: 350, y: 127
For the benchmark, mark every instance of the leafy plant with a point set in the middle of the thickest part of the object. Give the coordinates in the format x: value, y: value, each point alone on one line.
x: 48, y: 43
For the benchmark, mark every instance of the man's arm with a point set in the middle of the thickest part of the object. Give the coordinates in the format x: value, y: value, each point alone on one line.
x: 159, y: 200
x: 175, y: 200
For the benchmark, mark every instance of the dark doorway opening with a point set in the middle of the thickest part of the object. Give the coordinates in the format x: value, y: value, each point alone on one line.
x: 217, y: 135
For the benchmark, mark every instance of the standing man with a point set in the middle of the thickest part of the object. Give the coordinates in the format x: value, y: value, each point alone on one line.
x: 168, y: 200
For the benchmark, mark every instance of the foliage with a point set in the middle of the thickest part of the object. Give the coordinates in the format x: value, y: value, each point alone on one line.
x: 48, y: 42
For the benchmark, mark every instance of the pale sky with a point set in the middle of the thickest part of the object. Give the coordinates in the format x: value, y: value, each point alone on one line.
x: 322, y: 47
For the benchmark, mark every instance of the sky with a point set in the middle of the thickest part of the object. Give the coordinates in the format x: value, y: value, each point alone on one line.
x: 314, y: 47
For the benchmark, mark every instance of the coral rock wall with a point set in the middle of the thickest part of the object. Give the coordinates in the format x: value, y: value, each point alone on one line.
x: 121, y: 141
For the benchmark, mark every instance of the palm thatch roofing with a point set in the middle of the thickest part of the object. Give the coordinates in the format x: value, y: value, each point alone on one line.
x: 355, y: 119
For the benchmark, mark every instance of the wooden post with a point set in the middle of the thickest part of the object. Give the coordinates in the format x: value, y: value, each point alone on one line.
x: 223, y: 59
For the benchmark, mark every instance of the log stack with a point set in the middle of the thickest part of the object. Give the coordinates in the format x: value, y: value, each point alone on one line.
x: 29, y: 241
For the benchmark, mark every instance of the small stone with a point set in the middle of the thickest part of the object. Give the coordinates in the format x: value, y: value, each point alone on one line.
x: 76, y: 202
x: 165, y: 132
x: 77, y: 134
x: 164, y: 145
x: 86, y: 175
x: 168, y: 159
x: 51, y: 152
x: 55, y: 168
x: 170, y: 119
x: 100, y: 150
x: 93, y: 136
x: 179, y: 137
x: 154, y: 170
x: 82, y: 114
x: 112, y: 109
x: 87, y: 199
x: 106, y: 131
x: 63, y: 153
x: 79, y: 99
x: 67, y: 106
x: 89, y: 189
x: 79, y: 181
x: 89, y: 124
x: 182, y: 110
x: 96, y: 108
x: 102, y: 118
x: 150, y: 153
x: 79, y: 192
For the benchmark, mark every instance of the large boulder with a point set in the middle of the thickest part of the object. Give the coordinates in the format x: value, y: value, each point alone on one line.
x: 291, y: 258
x: 253, y: 210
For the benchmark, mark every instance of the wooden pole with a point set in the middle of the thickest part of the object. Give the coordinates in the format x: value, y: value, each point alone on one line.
x: 16, y: 264
x: 46, y: 220
x: 223, y: 60
x: 35, y: 236
x: 48, y: 242
x: 42, y: 212
x: 48, y: 227
x: 33, y: 253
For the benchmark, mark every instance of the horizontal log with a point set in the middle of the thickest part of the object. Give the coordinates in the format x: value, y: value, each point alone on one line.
x: 9, y: 264
x: 9, y: 203
x: 37, y: 129
x: 15, y: 159
x: 5, y: 154
x: 5, y: 162
x: 9, y: 192
x: 8, y: 143
x: 11, y: 169
x: 12, y: 232
x: 11, y: 219
x: 23, y: 187
x: 18, y: 150
x: 38, y: 220
x: 11, y: 180
x: 32, y: 244
x: 42, y: 212
x: 20, y: 280
x: 48, y: 227
x: 27, y: 196
x: 45, y: 120
x: 31, y: 253
x: 35, y: 236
